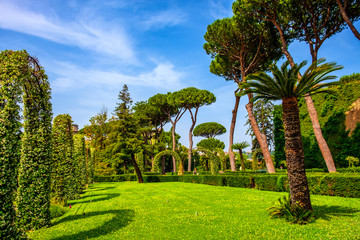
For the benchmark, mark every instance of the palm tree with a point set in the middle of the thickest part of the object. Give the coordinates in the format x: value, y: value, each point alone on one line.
x: 240, y: 147
x: 285, y: 86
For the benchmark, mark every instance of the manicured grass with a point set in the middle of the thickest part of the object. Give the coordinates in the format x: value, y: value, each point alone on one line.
x: 177, y: 210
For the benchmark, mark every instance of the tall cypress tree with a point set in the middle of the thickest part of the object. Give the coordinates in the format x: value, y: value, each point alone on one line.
x: 80, y: 162
x: 33, y: 195
x: 63, y: 160
x: 10, y: 94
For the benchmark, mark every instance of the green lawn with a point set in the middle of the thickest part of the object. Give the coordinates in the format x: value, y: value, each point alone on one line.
x: 177, y: 210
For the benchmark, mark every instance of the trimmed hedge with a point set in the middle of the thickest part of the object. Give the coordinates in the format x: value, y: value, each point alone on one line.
x: 348, y: 170
x: 323, y: 184
x: 115, y: 178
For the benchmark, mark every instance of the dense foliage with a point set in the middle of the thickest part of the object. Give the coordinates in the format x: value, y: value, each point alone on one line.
x: 332, y: 116
x: 211, y: 144
x: 209, y: 130
x: 21, y: 76
x: 80, y: 163
x: 279, y: 136
x: 64, y: 185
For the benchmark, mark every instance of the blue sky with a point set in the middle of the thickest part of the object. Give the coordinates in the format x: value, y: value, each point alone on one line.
x: 89, y: 49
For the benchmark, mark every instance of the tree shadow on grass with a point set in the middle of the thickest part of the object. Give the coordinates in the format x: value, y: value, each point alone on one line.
x: 105, y: 196
x: 121, y: 219
x: 93, y: 189
x: 327, y: 212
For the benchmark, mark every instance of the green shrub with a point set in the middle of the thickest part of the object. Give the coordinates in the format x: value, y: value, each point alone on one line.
x: 282, y: 183
x: 335, y: 185
x: 239, y: 181
x: 151, y: 173
x: 33, y: 193
x: 57, y: 211
x: 205, y: 179
x: 344, y: 170
x: 63, y: 183
x: 153, y: 178
x: 319, y: 170
x: 345, y: 185
x: 267, y: 182
x: 115, y: 178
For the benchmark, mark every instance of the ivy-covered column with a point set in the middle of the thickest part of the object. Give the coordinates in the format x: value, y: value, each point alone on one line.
x: 63, y: 160
x: 10, y: 94
x: 80, y: 162
x: 33, y: 195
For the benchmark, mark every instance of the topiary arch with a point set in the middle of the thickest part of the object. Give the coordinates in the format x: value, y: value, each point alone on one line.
x: 254, y: 158
x: 214, y: 160
x: 163, y: 153
x: 222, y: 157
x: 23, y: 81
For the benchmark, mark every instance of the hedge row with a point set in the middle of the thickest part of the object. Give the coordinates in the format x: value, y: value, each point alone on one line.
x: 351, y: 169
x: 330, y: 184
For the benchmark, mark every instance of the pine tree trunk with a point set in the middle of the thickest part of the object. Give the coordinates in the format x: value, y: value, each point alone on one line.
x: 190, y: 145
x: 152, y: 162
x: 173, y: 147
x: 231, y: 134
x: 324, y: 148
x: 325, y: 151
x: 137, y: 170
x: 347, y: 20
x: 299, y: 189
x: 260, y: 137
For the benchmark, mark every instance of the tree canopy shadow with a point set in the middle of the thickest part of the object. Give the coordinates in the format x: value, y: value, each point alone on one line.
x: 93, y: 189
x: 105, y: 196
x: 121, y: 219
x: 327, y: 212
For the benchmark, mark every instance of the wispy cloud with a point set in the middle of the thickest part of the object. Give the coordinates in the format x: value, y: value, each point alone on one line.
x: 163, y: 75
x: 163, y: 19
x: 220, y: 9
x: 90, y: 35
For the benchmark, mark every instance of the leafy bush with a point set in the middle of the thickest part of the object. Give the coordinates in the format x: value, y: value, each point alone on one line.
x: 153, y: 178
x: 292, y: 213
x: 115, y: 178
x: 57, y: 211
x: 345, y: 185
x: 205, y: 179
x: 320, y: 170
x: 344, y: 170
x: 266, y: 182
x: 240, y: 181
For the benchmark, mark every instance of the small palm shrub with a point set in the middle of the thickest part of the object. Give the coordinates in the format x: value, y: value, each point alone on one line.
x: 292, y: 213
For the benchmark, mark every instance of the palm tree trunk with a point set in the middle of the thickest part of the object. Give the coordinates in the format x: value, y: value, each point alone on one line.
x: 242, y: 160
x: 299, y: 189
x: 231, y: 135
x: 260, y: 137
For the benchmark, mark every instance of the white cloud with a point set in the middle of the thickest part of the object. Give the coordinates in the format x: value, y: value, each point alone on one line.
x: 91, y: 35
x: 220, y: 9
x: 164, y: 19
x: 69, y: 76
